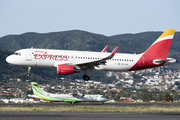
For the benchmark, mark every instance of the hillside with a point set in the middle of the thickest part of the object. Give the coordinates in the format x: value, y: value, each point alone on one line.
x: 81, y: 40
x: 75, y: 40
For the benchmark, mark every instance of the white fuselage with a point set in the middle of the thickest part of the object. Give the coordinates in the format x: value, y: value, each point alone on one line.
x: 68, y: 62
x: 48, y: 58
x: 70, y: 97
x: 40, y: 93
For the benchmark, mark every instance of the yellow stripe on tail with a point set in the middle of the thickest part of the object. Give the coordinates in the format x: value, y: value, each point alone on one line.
x: 168, y: 32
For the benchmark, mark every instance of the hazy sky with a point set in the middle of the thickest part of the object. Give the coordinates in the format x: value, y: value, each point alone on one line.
x: 107, y: 17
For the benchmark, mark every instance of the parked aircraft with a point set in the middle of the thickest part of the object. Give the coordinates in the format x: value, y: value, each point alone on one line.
x: 71, y: 98
x: 68, y: 61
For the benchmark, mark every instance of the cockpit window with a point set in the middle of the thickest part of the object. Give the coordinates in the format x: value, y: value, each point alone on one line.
x: 17, y: 54
x: 14, y: 53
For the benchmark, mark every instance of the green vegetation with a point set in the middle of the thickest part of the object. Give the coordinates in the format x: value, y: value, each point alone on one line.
x: 168, y: 97
x: 92, y: 109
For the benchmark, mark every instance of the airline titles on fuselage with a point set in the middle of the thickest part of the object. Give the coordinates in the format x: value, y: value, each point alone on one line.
x: 38, y: 55
x: 45, y: 56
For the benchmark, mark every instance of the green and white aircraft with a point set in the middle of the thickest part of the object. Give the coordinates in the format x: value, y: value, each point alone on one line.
x: 71, y: 98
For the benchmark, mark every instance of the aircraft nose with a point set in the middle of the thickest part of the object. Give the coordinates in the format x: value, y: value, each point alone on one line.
x: 8, y: 59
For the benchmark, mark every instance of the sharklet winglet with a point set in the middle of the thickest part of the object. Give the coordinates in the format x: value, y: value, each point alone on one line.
x: 104, y: 50
x: 114, y: 51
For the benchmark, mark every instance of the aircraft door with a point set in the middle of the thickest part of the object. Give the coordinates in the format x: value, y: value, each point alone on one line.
x: 29, y: 55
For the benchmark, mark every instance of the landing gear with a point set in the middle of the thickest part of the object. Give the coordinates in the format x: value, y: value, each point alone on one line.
x: 28, y: 74
x: 86, y: 77
x: 29, y: 69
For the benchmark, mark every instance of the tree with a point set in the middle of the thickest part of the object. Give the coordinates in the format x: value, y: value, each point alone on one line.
x: 160, y: 97
x: 176, y: 97
x: 150, y: 96
x: 168, y: 97
x: 145, y: 96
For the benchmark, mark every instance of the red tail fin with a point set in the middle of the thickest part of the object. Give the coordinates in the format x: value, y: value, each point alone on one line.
x: 157, y: 51
x: 161, y: 46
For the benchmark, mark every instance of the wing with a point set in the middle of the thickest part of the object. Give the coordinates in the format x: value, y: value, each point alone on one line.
x: 104, y: 50
x: 92, y: 64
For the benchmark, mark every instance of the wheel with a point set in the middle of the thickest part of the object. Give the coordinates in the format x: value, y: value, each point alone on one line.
x: 28, y: 74
x: 86, y: 77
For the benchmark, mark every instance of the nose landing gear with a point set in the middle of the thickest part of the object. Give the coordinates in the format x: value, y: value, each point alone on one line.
x: 29, y: 70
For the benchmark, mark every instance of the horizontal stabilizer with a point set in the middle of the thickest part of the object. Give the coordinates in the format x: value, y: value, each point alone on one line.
x: 168, y: 61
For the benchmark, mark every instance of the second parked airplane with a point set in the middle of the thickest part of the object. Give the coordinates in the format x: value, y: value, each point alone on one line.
x: 71, y: 98
x: 68, y: 62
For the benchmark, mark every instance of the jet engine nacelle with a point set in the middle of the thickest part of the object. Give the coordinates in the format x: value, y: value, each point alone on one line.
x: 66, y: 69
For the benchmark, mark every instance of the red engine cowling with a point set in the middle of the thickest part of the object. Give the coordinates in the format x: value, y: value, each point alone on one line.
x: 66, y: 69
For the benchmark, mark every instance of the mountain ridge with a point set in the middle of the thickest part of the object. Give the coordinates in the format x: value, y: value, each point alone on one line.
x: 76, y: 40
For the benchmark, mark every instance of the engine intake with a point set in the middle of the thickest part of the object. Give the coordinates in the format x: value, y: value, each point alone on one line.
x: 66, y: 69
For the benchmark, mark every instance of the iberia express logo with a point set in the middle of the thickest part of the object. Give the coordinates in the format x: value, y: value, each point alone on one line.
x: 41, y: 55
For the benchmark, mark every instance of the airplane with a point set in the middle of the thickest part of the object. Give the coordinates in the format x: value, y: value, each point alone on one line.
x: 68, y: 62
x: 70, y: 98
